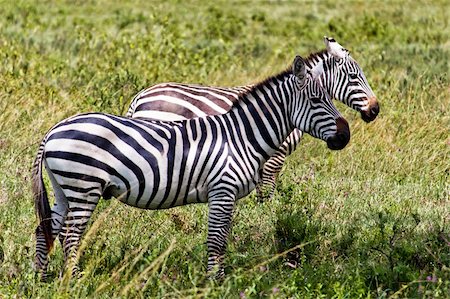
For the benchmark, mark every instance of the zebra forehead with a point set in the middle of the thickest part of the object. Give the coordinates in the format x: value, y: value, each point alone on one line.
x: 353, y: 65
x: 352, y: 60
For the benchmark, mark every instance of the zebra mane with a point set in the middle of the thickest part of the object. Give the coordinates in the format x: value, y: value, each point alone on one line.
x: 322, y: 54
x: 280, y: 76
x: 315, y: 57
x: 310, y: 61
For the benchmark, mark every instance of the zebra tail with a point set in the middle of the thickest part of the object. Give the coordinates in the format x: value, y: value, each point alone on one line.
x: 41, y: 203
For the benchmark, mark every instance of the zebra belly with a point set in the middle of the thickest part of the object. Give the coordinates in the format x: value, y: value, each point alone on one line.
x: 246, y: 189
x: 160, y: 200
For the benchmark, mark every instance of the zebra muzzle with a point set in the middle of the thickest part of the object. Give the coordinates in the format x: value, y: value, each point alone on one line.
x: 372, y: 111
x: 342, y: 136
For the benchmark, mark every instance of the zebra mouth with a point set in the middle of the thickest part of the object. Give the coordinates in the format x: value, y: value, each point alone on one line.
x: 371, y: 113
x: 342, y: 136
x: 338, y: 141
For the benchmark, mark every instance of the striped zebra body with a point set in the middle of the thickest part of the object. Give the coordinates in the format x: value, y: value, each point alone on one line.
x: 340, y: 75
x: 157, y: 164
x: 149, y: 165
x: 176, y: 101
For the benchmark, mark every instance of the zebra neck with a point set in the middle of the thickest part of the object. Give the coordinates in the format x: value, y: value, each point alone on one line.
x: 261, y: 116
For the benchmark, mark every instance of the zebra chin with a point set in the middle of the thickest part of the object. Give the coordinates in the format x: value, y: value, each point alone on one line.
x: 339, y: 140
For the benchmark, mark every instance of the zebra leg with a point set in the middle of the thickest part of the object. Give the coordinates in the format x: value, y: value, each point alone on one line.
x: 59, y: 212
x: 79, y: 213
x: 41, y: 257
x: 219, y: 224
x: 265, y: 189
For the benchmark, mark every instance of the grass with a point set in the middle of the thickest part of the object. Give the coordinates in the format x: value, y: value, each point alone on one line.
x: 370, y: 221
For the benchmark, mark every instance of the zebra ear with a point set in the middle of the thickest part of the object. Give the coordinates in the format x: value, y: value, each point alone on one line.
x: 299, y: 68
x: 334, y: 48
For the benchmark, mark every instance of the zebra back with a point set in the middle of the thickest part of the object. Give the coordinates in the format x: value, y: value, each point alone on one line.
x: 177, y: 101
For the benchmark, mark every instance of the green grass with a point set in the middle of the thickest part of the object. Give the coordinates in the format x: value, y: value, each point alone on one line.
x: 372, y: 220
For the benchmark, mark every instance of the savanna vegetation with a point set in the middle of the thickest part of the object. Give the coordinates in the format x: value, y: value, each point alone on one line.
x: 370, y: 221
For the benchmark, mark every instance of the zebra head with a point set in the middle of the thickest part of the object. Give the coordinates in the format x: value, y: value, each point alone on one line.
x: 350, y: 86
x: 313, y: 112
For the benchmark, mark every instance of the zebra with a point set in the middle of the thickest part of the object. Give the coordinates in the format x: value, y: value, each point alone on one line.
x: 162, y: 164
x: 342, y: 77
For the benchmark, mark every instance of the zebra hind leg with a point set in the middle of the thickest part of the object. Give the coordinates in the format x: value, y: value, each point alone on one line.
x: 58, y: 214
x: 41, y: 256
x: 219, y: 224
x: 42, y: 252
x: 79, y: 213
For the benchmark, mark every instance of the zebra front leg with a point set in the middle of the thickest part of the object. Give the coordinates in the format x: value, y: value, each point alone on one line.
x: 265, y: 189
x: 219, y: 224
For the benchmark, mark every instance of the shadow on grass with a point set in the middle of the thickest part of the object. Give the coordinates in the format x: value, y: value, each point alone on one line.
x: 382, y: 253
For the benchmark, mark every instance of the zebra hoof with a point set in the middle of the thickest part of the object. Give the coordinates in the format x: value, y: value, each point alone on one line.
x: 262, y: 197
x: 216, y: 274
x: 217, y: 277
x: 64, y: 274
x: 44, y: 277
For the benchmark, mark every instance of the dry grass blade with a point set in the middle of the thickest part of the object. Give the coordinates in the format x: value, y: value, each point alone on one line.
x: 154, y: 265
x: 64, y: 284
x: 124, y: 265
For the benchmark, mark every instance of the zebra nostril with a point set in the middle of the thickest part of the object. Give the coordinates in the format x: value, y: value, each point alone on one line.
x: 375, y: 110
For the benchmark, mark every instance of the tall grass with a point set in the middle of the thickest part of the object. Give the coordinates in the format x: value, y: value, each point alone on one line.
x: 369, y: 221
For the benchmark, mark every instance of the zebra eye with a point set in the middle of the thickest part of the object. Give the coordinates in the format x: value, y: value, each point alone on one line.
x: 353, y: 75
x: 315, y: 100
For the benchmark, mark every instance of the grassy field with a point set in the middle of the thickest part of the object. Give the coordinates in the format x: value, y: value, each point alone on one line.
x: 372, y: 220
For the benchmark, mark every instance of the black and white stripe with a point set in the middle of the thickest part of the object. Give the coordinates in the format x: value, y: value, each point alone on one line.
x: 337, y: 72
x: 159, y: 165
